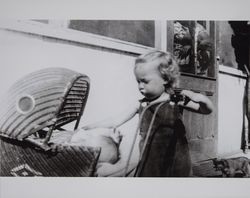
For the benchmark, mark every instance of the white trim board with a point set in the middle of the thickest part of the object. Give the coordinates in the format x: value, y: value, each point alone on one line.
x: 66, y: 34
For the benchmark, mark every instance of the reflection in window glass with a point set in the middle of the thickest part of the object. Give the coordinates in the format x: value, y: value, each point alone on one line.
x: 193, y: 47
x: 225, y: 48
x: 140, y: 32
x: 183, y: 46
x: 203, y: 50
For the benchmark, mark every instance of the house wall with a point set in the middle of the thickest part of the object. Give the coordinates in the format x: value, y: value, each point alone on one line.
x: 230, y: 110
x: 231, y: 82
x: 113, y: 85
x: 112, y: 88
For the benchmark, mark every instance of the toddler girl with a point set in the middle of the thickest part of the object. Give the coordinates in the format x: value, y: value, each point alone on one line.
x: 163, y: 145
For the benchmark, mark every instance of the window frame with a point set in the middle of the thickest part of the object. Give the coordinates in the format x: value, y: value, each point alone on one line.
x: 210, y: 26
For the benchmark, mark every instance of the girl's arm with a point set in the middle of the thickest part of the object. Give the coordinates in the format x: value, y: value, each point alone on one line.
x: 115, y: 121
x: 198, y: 102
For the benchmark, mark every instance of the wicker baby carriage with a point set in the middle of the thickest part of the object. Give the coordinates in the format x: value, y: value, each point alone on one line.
x: 35, y: 107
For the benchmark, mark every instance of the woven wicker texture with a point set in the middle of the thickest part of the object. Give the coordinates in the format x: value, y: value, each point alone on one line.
x: 43, y: 101
x: 21, y: 159
x: 52, y: 96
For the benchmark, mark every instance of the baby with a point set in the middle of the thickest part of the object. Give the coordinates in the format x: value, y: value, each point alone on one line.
x: 108, y: 139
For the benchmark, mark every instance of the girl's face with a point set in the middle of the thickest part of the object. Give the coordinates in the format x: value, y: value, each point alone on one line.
x: 150, y: 82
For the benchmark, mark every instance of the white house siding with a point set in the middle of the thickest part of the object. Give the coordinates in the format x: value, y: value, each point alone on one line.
x: 230, y: 110
x: 113, y: 86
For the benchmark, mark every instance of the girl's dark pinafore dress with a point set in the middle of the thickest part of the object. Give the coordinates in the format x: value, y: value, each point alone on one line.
x: 166, y: 153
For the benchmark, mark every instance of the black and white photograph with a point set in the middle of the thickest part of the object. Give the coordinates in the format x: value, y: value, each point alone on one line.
x: 125, y: 98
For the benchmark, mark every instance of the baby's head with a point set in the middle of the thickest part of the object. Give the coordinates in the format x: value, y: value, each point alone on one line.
x: 156, y: 72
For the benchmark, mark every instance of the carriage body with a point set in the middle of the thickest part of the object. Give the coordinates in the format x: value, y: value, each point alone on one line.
x: 32, y: 109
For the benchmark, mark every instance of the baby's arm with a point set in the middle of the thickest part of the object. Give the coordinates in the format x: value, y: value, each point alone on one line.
x: 198, y: 102
x: 118, y: 169
x: 116, y: 121
x: 113, y: 170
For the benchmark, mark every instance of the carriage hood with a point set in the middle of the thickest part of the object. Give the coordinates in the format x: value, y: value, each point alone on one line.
x: 44, y: 98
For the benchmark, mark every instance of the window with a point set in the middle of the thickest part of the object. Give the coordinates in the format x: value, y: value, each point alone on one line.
x: 193, y: 46
x: 233, y: 48
x: 140, y: 32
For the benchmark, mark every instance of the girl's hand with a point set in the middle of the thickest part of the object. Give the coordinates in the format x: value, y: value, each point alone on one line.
x: 190, y: 94
x: 196, y: 102
x: 116, y: 135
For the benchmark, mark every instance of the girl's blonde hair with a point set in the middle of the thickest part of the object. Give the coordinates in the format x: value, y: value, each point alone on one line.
x: 167, y: 67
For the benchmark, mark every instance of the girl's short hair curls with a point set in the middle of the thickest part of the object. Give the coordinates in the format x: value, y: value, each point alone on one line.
x: 168, y: 67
